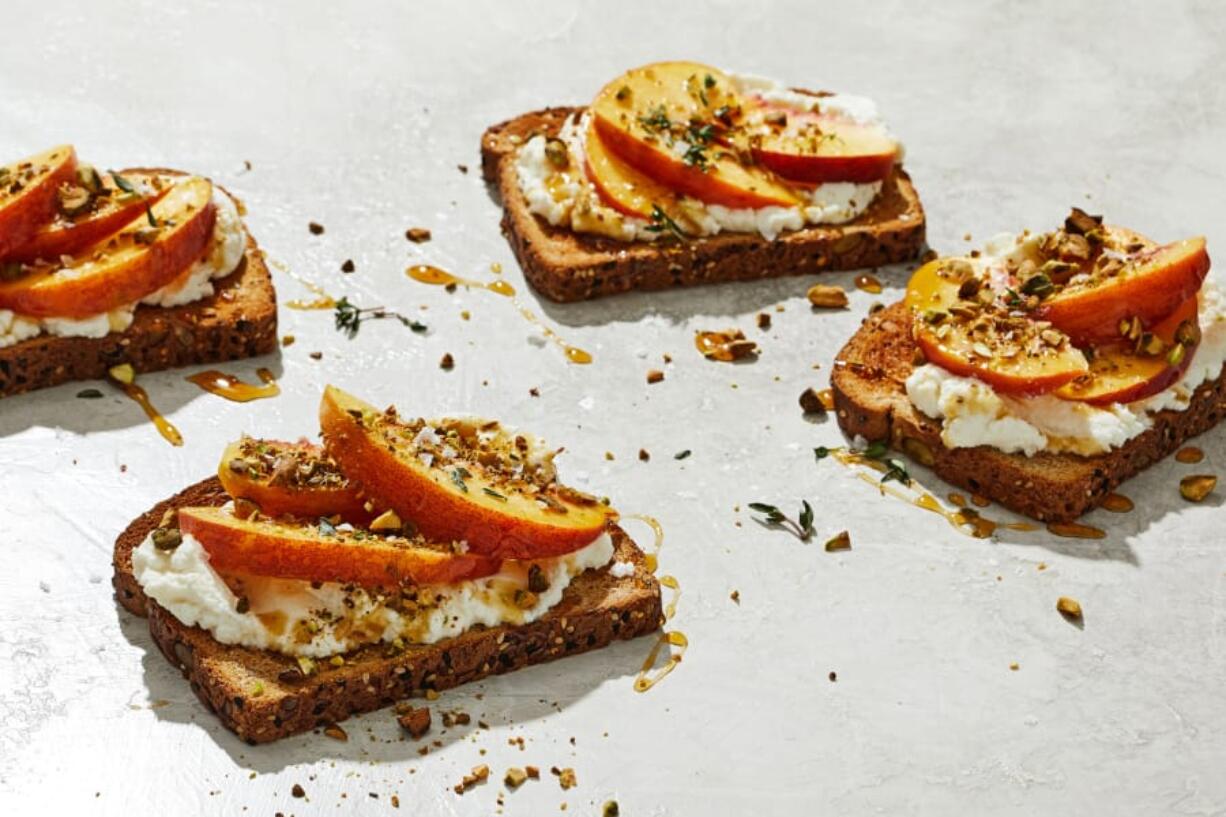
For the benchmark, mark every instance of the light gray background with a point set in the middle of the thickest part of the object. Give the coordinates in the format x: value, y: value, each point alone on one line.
x: 356, y: 115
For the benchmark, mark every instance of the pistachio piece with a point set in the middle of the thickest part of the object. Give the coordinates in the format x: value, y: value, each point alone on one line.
x: 827, y: 296
x: 525, y: 599
x: 1196, y: 487
x: 556, y: 153
x: 840, y: 541
x: 1188, y: 333
x: 238, y: 466
x: 245, y: 508
x: 515, y: 777
x: 388, y: 520
x: 87, y: 177
x: 1079, y: 222
x: 166, y: 538
x: 1069, y: 607
x: 1176, y: 355
x: 811, y: 401
x: 74, y: 199
x: 969, y: 288
x: 123, y: 373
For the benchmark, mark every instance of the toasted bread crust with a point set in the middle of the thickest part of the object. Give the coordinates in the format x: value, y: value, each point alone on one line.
x: 596, y: 610
x: 238, y: 321
x: 568, y: 266
x: 871, y: 401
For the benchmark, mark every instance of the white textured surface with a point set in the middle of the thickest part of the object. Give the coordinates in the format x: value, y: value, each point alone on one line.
x: 357, y: 118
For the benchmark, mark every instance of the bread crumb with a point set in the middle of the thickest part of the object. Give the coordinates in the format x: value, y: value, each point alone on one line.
x: 1070, y: 608
x: 348, y: 266
x: 654, y: 376
x: 413, y: 719
x: 316, y: 355
x: 418, y: 235
x: 447, y: 363
x: 764, y: 320
x: 316, y: 228
x: 735, y: 595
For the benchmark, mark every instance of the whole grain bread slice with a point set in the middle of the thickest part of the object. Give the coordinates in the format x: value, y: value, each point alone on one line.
x: 871, y: 401
x: 239, y: 320
x: 568, y: 266
x: 263, y: 696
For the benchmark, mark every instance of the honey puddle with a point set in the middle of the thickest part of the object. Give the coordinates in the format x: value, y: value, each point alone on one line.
x: 649, y: 675
x: 1075, y: 530
x: 141, y: 398
x: 965, y: 520
x: 868, y: 283
x: 434, y: 276
x: 231, y: 388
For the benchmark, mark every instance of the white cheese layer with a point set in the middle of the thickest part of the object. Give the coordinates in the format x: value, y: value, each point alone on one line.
x: 222, y: 258
x: 294, y: 617
x: 973, y: 413
x: 567, y: 198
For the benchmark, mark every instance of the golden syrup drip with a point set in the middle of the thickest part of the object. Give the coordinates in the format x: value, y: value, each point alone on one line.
x: 651, y: 556
x: 433, y: 276
x: 981, y: 501
x: 1117, y: 503
x: 1189, y: 455
x: 956, y: 499
x: 646, y: 678
x: 1075, y: 530
x: 964, y: 520
x: 141, y: 398
x: 671, y: 583
x: 573, y: 353
x: 425, y: 274
x: 273, y: 621
x: 868, y: 283
x: 323, y: 301
x: 826, y: 396
x: 717, y: 345
x: 231, y: 388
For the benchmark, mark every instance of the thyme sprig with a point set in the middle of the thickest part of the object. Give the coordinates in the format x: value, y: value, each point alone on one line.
x: 801, y: 527
x: 661, y: 222
x: 350, y: 317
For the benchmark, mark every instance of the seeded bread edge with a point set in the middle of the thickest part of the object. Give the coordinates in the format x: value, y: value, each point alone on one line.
x: 262, y: 696
x: 871, y: 401
x: 238, y: 321
x: 568, y: 266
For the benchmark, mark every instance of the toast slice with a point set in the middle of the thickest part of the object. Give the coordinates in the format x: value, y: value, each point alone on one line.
x: 871, y: 401
x: 596, y: 610
x: 238, y: 321
x: 567, y: 266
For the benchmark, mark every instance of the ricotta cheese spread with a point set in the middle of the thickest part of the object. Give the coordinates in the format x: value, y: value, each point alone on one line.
x: 973, y: 413
x: 316, y: 620
x: 566, y: 197
x: 224, y: 253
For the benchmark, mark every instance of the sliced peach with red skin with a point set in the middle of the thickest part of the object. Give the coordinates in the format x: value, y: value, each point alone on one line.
x: 642, y: 117
x: 1118, y: 374
x: 67, y: 235
x: 134, y: 262
x: 307, y: 551
x: 813, y: 148
x: 1008, y: 367
x: 28, y: 194
x: 1152, y: 284
x: 619, y: 185
x: 276, y: 490
x: 373, y: 452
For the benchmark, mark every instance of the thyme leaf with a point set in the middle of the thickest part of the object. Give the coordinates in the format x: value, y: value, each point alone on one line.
x: 349, y: 317
x: 661, y: 221
x: 801, y: 527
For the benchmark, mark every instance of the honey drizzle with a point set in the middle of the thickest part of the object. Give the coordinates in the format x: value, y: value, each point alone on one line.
x: 646, y: 679
x: 964, y: 520
x: 141, y: 398
x: 1075, y: 530
x: 231, y: 388
x: 868, y: 283
x: 826, y: 396
x: 433, y: 276
x: 1117, y: 503
x: 324, y: 301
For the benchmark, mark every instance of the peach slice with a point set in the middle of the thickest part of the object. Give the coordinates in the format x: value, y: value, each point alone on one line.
x: 148, y: 253
x: 105, y: 211
x: 28, y: 194
x: 290, y: 479
x: 812, y: 148
x: 1149, y: 285
x: 619, y: 185
x: 459, y: 482
x: 977, y: 337
x: 320, y: 552
x: 1122, y: 374
x: 664, y: 120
